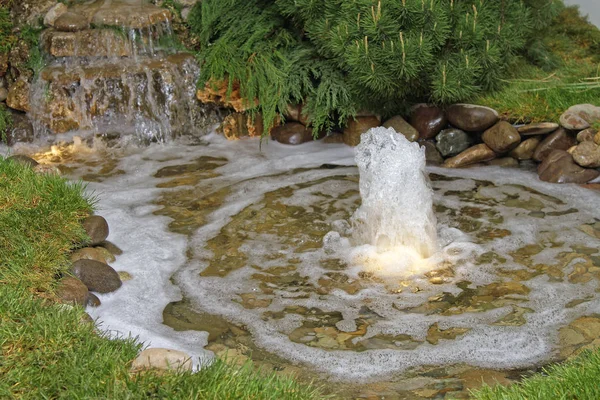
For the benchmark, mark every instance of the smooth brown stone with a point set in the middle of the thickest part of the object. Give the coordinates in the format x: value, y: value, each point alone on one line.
x: 97, y: 276
x: 506, y: 162
x: 478, y: 153
x: 23, y: 160
x: 72, y: 291
x: 428, y: 120
x: 586, y: 135
x: 356, y: 127
x: 400, y: 125
x: 537, y: 129
x: 97, y: 229
x: 334, y: 137
x: 292, y: 133
x: 524, y: 151
x: 587, y: 155
x: 432, y: 155
x: 501, y: 137
x: 470, y: 117
x: 580, y: 116
x: 559, y: 167
x: 71, y: 22
x: 558, y: 140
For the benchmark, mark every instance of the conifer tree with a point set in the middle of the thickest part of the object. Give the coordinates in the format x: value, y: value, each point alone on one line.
x: 340, y: 56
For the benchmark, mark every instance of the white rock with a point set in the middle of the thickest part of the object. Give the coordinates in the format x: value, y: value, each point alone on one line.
x: 55, y: 12
x: 164, y: 359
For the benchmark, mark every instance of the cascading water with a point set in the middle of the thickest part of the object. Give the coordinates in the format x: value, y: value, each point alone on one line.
x: 120, y: 75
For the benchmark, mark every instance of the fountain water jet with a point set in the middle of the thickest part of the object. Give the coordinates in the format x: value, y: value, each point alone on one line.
x: 395, y: 227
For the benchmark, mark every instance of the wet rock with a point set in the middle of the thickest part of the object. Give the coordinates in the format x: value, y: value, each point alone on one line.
x: 478, y: 153
x: 112, y: 248
x: 356, y: 127
x: 20, y: 130
x: 71, y: 22
x: 294, y: 113
x: 558, y: 140
x: 162, y: 359
x: 217, y: 92
x: 239, y: 125
x: 72, y: 291
x: 432, y: 155
x: 86, y: 43
x: 587, y: 154
x: 292, y: 133
x: 18, y: 96
x: 570, y: 337
x: 89, y: 253
x: 3, y: 94
x: 46, y: 169
x: 588, y: 326
x: 23, y: 160
x: 524, y: 151
x: 501, y: 137
x: 506, y: 162
x: 400, y: 125
x: 559, y: 167
x: 97, y: 229
x: 450, y: 142
x: 470, y: 117
x: 580, y: 116
x: 434, y: 333
x: 537, y: 129
x: 97, y: 276
x: 93, y: 300
x: 53, y: 14
x: 428, y: 120
x: 131, y: 16
x: 125, y: 276
x: 334, y: 137
x: 586, y: 135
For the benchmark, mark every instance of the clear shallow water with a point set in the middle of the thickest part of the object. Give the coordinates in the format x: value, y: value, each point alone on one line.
x: 225, y: 244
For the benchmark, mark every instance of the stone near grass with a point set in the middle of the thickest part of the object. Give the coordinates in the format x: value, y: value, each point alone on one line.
x: 93, y: 300
x: 450, y: 142
x: 97, y: 276
x: 18, y: 96
x: 356, y: 127
x: 580, y: 116
x: 71, y: 22
x: 292, y: 133
x: 586, y: 135
x: 537, y: 129
x: 559, y: 167
x: 597, y: 138
x: 21, y: 129
x: 23, y: 160
x: 72, y: 291
x: 476, y: 154
x: 525, y: 149
x: 501, y: 137
x: 3, y: 94
x: 587, y: 154
x: 558, y: 140
x: 400, y: 125
x: 162, y: 359
x: 471, y: 117
x: 432, y: 155
x: 90, y: 253
x: 428, y: 120
x: 53, y: 14
x: 97, y: 229
x: 46, y: 169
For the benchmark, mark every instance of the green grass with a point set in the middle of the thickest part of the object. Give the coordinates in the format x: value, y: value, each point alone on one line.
x: 542, y: 93
x: 46, y: 352
x: 576, y: 379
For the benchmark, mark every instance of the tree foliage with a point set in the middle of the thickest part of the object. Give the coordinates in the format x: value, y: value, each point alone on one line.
x: 341, y: 56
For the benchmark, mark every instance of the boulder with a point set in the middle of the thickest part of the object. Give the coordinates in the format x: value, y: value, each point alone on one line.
x: 559, y: 167
x: 525, y: 149
x: 356, y: 127
x: 292, y: 133
x: 72, y: 291
x: 450, y: 142
x: 537, y: 129
x: 558, y: 140
x: 587, y: 154
x: 18, y: 96
x: 501, y: 137
x: 428, y: 120
x: 580, y: 116
x: 23, y: 160
x: 53, y: 13
x: 97, y: 276
x: 478, y: 153
x: 586, y: 135
x: 71, y: 22
x: 400, y: 125
x: 21, y: 129
x: 470, y: 117
x: 432, y: 155
x: 162, y: 359
x: 97, y: 229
